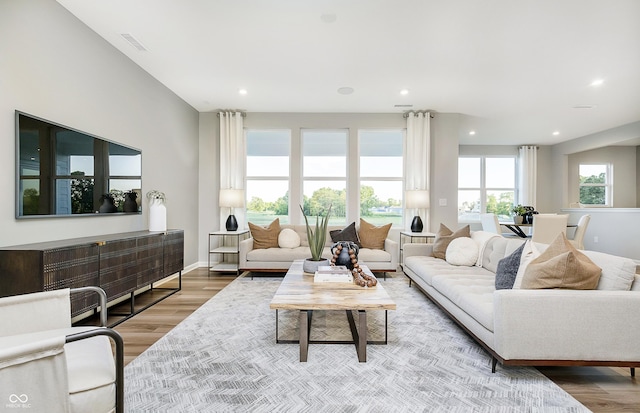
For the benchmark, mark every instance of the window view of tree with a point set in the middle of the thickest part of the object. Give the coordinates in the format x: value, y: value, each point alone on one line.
x: 485, y: 185
x: 594, y: 184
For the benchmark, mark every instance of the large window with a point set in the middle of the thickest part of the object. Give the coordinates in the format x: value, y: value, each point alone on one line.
x: 595, y: 185
x: 324, y: 171
x: 485, y: 185
x: 267, y: 186
x: 381, y: 177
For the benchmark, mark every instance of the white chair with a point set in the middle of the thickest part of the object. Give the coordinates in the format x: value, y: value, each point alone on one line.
x: 49, y: 365
x: 546, y: 227
x: 581, y: 229
x: 490, y: 223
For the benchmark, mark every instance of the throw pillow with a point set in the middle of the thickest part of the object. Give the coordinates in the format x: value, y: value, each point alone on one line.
x: 372, y: 236
x: 346, y: 234
x: 444, y: 237
x: 529, y: 253
x: 462, y: 251
x: 265, y: 237
x: 288, y: 238
x: 507, y: 269
x: 562, y: 266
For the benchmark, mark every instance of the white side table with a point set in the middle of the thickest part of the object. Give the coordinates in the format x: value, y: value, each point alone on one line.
x: 408, y: 236
x: 225, y: 244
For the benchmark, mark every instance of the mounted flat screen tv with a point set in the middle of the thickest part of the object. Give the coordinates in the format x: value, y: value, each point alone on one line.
x: 63, y: 172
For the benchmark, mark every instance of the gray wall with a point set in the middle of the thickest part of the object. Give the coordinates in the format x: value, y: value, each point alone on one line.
x: 54, y: 67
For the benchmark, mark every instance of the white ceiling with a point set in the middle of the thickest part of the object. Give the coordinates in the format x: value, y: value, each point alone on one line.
x: 514, y: 69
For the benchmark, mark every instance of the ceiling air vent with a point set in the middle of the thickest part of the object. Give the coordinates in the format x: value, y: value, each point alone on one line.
x: 402, y: 106
x: 584, y: 106
x: 133, y: 41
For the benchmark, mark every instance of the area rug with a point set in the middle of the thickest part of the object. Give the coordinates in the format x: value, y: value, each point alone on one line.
x: 224, y: 358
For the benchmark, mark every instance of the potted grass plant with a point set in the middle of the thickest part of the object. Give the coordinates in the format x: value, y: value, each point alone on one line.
x: 316, y: 236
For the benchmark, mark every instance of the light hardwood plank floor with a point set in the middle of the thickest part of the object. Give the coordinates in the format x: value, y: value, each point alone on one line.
x: 601, y: 389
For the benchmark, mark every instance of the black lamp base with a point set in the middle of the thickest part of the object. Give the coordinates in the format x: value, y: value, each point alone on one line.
x: 416, y: 224
x: 232, y: 223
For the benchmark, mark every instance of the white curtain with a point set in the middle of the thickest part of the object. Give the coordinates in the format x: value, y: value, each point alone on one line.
x: 232, y: 160
x: 528, y: 161
x: 417, y: 157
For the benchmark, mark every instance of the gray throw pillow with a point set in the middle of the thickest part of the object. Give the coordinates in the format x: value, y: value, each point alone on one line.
x: 508, y: 269
x: 346, y: 234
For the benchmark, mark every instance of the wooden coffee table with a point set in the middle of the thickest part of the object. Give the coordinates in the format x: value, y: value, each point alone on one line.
x: 299, y: 292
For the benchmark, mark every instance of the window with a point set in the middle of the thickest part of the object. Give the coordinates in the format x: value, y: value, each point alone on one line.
x: 486, y: 185
x: 267, y: 185
x: 595, y: 184
x: 324, y: 172
x: 381, y: 176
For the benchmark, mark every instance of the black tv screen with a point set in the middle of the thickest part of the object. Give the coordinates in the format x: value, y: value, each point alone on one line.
x: 61, y: 171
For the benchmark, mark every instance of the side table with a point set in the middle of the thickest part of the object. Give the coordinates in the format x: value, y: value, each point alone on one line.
x: 408, y: 236
x: 225, y: 244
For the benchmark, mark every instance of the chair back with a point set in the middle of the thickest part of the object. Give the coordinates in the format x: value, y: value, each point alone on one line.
x: 581, y: 229
x: 490, y: 223
x: 30, y: 313
x: 546, y: 227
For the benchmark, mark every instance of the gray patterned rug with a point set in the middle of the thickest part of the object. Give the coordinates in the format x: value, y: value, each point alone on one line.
x: 224, y: 358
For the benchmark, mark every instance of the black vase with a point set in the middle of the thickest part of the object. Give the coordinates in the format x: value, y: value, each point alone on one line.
x: 130, y: 204
x: 107, y: 205
x: 344, y: 257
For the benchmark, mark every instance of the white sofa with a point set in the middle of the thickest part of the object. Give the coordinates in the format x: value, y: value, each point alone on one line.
x: 280, y: 259
x: 536, y: 327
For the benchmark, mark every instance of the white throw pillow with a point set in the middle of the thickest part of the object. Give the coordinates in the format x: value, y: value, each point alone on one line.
x: 288, y: 238
x: 462, y: 251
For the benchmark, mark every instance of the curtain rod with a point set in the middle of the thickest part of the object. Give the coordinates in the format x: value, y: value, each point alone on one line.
x: 406, y: 114
x: 242, y: 113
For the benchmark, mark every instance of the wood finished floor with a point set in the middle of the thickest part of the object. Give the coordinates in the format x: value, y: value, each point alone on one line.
x: 601, y: 389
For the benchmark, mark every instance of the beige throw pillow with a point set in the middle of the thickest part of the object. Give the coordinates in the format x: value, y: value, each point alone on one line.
x: 444, y: 237
x: 265, y: 237
x: 371, y: 236
x: 561, y: 266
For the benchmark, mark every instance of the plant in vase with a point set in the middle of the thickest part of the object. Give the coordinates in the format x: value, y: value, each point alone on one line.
x: 519, y: 211
x: 317, y: 237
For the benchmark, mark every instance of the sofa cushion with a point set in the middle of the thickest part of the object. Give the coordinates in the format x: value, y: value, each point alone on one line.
x: 372, y: 236
x: 508, y: 269
x: 462, y: 251
x: 427, y: 267
x: 562, y: 266
x: 444, y: 237
x: 348, y: 233
x: 473, y: 293
x: 618, y: 273
x: 288, y: 238
x: 265, y: 237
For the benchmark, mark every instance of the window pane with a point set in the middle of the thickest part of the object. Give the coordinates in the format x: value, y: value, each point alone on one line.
x: 319, y: 195
x: 500, y: 203
x: 267, y: 200
x: 500, y: 172
x: 324, y: 153
x: 30, y: 196
x: 381, y: 202
x: 381, y: 153
x: 268, y: 152
x: 593, y: 174
x: 468, y: 172
x: 469, y: 205
x: 593, y: 195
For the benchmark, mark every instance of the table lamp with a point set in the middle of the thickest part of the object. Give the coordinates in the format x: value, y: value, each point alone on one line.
x: 416, y: 199
x: 231, y: 198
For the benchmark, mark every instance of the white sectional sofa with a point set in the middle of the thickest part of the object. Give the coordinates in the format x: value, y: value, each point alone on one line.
x: 280, y: 259
x: 535, y: 327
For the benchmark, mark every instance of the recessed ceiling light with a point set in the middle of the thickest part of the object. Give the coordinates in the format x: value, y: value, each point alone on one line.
x: 243, y: 91
x: 597, y: 82
x: 555, y: 133
x: 345, y: 90
x: 472, y: 132
x: 404, y: 92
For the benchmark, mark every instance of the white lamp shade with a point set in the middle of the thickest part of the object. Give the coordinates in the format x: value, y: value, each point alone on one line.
x: 232, y: 198
x: 418, y: 198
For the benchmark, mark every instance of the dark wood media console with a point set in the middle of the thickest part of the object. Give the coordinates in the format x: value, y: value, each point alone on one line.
x: 119, y: 263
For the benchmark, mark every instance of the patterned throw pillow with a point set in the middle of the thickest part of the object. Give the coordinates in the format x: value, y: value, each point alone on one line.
x: 346, y: 234
x: 265, y: 237
x: 562, y: 266
x: 508, y: 269
x: 444, y: 237
x: 371, y: 236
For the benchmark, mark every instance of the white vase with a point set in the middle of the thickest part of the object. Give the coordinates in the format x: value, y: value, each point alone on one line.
x: 157, y: 216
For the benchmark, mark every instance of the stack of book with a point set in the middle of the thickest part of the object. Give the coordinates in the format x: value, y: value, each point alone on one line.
x: 333, y: 274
